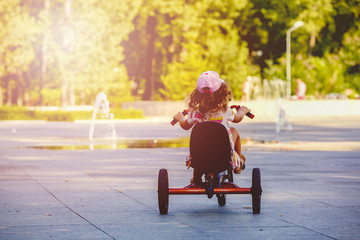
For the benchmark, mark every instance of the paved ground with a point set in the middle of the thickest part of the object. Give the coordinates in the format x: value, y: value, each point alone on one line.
x: 310, y: 179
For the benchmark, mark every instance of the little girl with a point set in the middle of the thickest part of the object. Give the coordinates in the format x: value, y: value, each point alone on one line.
x: 209, y: 102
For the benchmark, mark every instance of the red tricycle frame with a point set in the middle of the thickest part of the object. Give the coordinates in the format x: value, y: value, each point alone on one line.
x: 225, y: 186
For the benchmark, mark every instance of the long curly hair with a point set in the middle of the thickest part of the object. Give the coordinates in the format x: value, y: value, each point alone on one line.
x: 210, y: 102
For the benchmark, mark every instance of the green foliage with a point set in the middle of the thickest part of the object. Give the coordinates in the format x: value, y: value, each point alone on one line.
x: 60, y: 115
x: 72, y: 45
x: 65, y: 52
x: 349, y: 57
x: 207, y: 40
x: 320, y: 50
x: 51, y: 96
x: 21, y: 113
x: 321, y: 75
x: 127, y: 113
x: 181, y: 80
x: 17, y: 113
x: 327, y: 74
x: 90, y: 52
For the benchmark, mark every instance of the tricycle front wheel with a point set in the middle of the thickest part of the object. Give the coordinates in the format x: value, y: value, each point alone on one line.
x: 221, y: 199
x: 256, y: 191
x: 163, y: 191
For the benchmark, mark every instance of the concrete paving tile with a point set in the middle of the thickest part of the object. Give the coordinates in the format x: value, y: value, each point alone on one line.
x: 315, y: 217
x: 60, y: 232
x: 38, y: 215
x: 111, y: 194
x: 342, y: 232
x: 268, y: 233
x: 202, y: 217
x: 156, y: 231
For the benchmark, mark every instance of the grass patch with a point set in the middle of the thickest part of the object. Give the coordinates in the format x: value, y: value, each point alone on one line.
x: 21, y: 113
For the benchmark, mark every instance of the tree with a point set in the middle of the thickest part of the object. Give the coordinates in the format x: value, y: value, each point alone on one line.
x: 86, y: 52
x: 181, y: 39
x: 349, y: 55
x: 316, y: 14
x: 18, y: 32
x: 156, y: 49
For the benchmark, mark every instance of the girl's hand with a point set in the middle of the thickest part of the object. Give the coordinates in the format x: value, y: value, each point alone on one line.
x: 241, y: 112
x: 244, y: 109
x: 179, y: 117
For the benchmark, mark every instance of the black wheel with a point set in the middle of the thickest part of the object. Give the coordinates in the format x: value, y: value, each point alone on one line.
x: 209, y: 189
x: 231, y: 176
x: 163, y: 191
x: 227, y: 177
x: 256, y: 191
x: 221, y: 199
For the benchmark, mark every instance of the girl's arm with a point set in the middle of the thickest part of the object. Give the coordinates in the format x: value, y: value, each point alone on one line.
x: 182, y: 121
x: 239, y: 115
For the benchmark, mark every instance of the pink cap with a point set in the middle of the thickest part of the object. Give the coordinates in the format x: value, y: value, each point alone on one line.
x: 210, y: 80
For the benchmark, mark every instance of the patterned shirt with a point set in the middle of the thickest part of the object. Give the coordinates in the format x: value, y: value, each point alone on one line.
x: 220, y: 116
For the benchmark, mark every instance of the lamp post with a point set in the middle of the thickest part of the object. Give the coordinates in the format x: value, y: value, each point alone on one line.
x: 288, y: 58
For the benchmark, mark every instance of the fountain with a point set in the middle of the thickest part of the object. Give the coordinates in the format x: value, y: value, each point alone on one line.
x: 102, y: 107
x: 281, y: 117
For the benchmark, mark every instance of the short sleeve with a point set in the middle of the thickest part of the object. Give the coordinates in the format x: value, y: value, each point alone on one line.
x: 190, y: 118
x: 229, y: 115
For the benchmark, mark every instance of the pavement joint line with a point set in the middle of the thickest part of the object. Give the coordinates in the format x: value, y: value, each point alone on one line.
x: 327, y: 204
x: 155, y: 210
x: 108, y: 186
x: 191, y: 226
x: 61, y: 202
x: 171, y: 215
x: 111, y: 188
x: 121, y: 192
x: 297, y: 225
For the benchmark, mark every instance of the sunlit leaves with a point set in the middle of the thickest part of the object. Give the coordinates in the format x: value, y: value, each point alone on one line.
x: 209, y: 41
x: 129, y: 46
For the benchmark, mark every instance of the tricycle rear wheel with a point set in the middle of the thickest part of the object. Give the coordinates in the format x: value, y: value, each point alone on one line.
x: 256, y: 191
x: 163, y: 191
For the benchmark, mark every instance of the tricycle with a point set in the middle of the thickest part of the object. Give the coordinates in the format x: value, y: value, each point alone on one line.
x: 211, y: 154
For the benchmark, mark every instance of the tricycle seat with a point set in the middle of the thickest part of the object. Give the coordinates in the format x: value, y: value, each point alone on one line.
x: 210, y: 148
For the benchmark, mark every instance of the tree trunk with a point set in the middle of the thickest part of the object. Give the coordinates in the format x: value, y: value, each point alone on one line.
x: 65, y: 96
x: 18, y: 91
x: 25, y: 92
x: 8, y: 93
x: 1, y: 97
x: 72, y: 98
x: 44, y: 54
x: 312, y: 42
x: 149, y: 56
x: 64, y: 91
